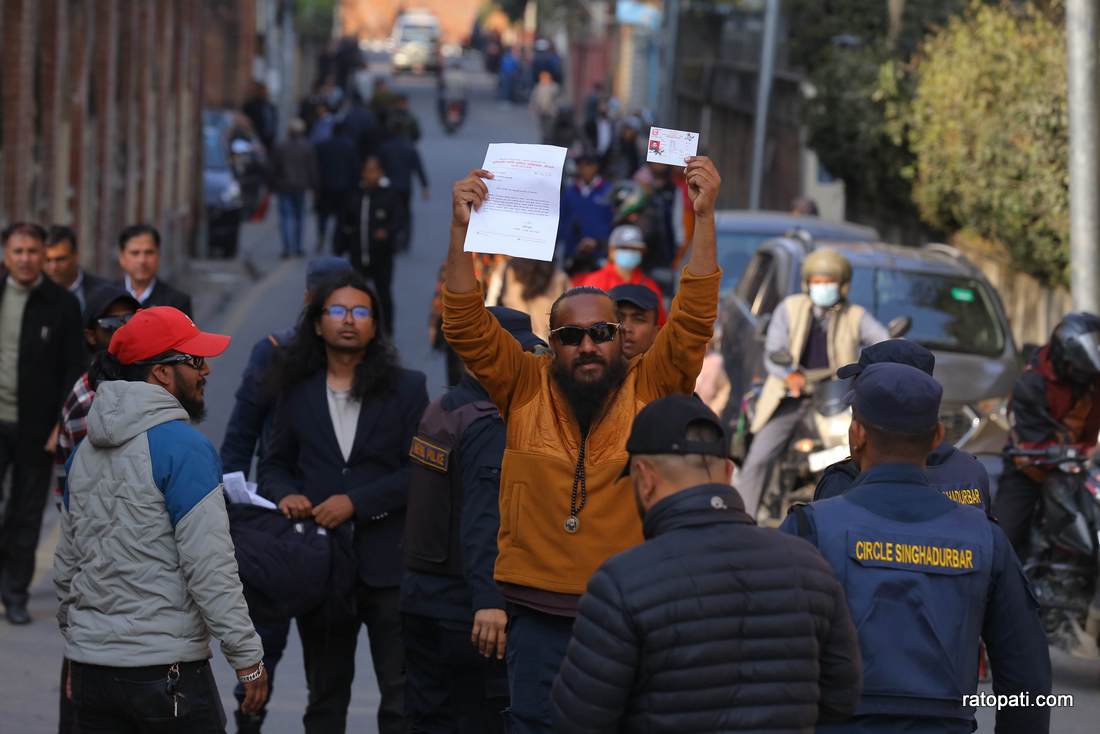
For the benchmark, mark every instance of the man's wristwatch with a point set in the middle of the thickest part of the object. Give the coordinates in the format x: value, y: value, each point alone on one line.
x: 255, y: 675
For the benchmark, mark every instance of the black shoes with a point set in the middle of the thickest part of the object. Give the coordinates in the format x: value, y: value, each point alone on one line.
x: 17, y: 614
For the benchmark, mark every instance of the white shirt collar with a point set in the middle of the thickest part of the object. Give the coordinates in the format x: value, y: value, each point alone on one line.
x: 145, y: 294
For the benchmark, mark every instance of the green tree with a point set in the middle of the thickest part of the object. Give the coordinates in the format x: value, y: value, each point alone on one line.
x: 988, y: 127
x: 854, y: 54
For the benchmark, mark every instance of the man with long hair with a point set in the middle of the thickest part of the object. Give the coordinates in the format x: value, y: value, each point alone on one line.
x: 338, y: 455
x: 563, y: 510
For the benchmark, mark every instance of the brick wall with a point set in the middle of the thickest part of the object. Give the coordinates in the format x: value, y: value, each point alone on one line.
x: 102, y: 110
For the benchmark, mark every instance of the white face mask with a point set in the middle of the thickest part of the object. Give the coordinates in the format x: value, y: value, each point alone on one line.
x: 825, y: 295
x: 627, y: 259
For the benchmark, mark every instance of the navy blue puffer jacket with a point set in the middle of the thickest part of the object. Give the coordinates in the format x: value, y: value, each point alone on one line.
x: 712, y: 625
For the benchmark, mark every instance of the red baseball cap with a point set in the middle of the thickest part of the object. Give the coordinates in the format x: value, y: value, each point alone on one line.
x: 160, y: 329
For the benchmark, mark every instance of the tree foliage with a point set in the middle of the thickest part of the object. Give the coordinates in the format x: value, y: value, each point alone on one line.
x: 988, y: 127
x: 856, y: 63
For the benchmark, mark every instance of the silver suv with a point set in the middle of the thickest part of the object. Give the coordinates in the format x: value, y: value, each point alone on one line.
x: 954, y: 311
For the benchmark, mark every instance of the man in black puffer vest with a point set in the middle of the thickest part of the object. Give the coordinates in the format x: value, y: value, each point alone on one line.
x: 713, y: 624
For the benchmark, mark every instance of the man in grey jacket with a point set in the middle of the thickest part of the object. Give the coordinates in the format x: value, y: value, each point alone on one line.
x: 145, y: 571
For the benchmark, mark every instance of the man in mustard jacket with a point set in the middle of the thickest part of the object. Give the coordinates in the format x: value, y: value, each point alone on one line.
x: 563, y: 509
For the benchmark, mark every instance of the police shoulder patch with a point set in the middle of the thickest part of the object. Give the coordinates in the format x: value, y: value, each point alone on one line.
x: 429, y: 454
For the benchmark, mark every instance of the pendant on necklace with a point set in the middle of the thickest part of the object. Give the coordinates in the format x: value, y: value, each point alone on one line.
x: 572, y: 524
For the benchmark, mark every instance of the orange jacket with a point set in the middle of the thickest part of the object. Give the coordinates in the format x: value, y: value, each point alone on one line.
x: 536, y: 478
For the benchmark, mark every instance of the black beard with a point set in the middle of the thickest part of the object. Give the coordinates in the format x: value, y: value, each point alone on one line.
x: 587, y: 398
x: 195, y: 407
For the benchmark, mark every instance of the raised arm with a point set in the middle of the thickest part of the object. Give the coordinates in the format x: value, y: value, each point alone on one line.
x: 703, y: 186
x: 672, y: 365
x: 495, y: 358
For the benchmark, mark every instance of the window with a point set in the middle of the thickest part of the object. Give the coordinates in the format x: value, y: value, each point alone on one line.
x: 950, y: 312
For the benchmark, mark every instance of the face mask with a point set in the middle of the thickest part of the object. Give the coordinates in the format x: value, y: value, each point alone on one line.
x: 627, y: 259
x: 825, y: 295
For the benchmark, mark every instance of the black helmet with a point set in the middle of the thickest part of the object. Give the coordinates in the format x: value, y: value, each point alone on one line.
x: 1075, y: 347
x: 627, y: 197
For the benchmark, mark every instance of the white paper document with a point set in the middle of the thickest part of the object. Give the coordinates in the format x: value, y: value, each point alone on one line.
x: 671, y: 146
x: 520, y: 217
x: 242, y: 492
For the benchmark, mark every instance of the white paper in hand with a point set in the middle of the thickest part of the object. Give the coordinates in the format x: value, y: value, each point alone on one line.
x: 520, y: 217
x: 671, y: 146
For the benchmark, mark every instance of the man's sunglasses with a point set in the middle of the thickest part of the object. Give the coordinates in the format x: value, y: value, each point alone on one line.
x: 599, y: 333
x: 195, y: 363
x: 111, y: 323
x: 341, y: 312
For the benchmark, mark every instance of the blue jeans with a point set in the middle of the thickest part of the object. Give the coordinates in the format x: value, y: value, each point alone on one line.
x: 273, y: 637
x: 292, y: 219
x: 536, y: 649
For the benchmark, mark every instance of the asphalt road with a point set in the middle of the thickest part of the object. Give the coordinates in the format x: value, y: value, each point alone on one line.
x: 30, y: 656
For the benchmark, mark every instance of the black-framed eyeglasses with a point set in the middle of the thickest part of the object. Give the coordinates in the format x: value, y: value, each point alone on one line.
x: 111, y: 323
x: 600, y: 333
x: 341, y: 312
x: 195, y: 363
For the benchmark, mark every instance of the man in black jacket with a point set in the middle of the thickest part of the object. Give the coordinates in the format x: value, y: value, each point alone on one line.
x: 41, y: 356
x: 451, y: 608
x: 713, y: 624
x: 339, y: 454
x: 63, y: 266
x: 139, y: 258
x: 369, y: 227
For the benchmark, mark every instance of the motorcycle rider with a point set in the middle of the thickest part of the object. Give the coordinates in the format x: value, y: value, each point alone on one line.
x: 956, y: 473
x: 1055, y: 401
x: 822, y: 331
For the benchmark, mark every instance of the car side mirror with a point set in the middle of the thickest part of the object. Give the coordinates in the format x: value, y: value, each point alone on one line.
x: 899, y: 327
x: 781, y: 358
x: 761, y: 330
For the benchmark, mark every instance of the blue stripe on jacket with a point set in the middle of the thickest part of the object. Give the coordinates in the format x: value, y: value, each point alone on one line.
x: 186, y: 468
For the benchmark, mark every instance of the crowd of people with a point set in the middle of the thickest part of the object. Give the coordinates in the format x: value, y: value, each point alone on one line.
x: 555, y: 543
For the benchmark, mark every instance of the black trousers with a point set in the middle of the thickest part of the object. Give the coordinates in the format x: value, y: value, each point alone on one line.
x: 1017, y: 499
x: 328, y: 646
x: 22, y: 521
x: 136, y: 701
x: 449, y: 687
x: 380, y: 271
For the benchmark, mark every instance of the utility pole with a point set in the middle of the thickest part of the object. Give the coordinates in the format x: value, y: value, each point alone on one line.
x: 763, y: 95
x: 1084, y: 155
x: 668, y: 94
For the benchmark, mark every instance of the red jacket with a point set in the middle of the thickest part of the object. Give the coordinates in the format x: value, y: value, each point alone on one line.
x: 1046, y: 410
x: 608, y: 277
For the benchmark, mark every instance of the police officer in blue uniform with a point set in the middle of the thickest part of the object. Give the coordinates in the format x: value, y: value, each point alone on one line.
x: 453, y: 618
x: 956, y: 473
x: 925, y: 576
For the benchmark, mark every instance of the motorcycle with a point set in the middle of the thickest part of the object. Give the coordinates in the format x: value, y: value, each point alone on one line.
x: 820, y: 440
x: 1063, y: 559
x: 453, y: 115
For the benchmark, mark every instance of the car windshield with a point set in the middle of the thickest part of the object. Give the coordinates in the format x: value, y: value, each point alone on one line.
x: 950, y: 313
x: 417, y: 34
x: 735, y: 249
x: 213, y: 154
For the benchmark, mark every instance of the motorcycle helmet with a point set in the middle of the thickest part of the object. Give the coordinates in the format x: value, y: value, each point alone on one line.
x: 628, y: 198
x: 829, y: 263
x: 1075, y: 348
